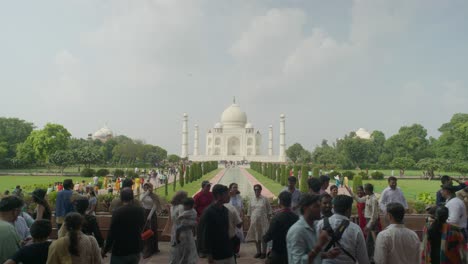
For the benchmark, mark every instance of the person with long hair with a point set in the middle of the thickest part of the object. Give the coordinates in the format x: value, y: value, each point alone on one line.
x: 152, y: 206
x: 442, y: 242
x: 75, y: 247
x: 43, y: 208
x: 92, y: 203
x: 361, y: 205
x: 260, y: 212
x: 89, y: 226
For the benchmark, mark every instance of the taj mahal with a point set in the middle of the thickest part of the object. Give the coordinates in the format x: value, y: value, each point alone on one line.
x: 234, y: 139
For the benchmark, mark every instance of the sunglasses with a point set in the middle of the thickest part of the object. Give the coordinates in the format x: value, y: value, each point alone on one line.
x: 257, y: 189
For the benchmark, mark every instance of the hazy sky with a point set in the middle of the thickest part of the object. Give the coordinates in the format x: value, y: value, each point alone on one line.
x: 330, y: 66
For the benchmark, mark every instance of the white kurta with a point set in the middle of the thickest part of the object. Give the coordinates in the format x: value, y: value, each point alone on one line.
x: 259, y: 210
x: 186, y: 251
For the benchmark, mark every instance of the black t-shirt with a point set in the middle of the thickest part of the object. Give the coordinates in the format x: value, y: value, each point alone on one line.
x: 35, y: 253
x: 213, y: 233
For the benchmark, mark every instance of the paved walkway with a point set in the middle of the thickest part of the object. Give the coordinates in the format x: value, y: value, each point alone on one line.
x: 247, y: 252
x: 235, y: 175
x: 265, y: 192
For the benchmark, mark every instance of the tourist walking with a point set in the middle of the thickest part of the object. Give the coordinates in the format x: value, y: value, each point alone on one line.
x: 456, y: 207
x: 314, y: 186
x: 35, y: 253
x: 278, y: 229
x: 397, y: 244
x: 10, y: 242
x: 75, y: 247
x: 42, y: 210
x: 184, y: 252
x: 152, y: 206
x: 237, y: 203
x: 392, y: 194
x: 92, y: 203
x: 214, y: 229
x: 124, y: 237
x: 361, y: 206
x: 324, y: 183
x: 304, y: 241
x: 117, y: 202
x: 326, y: 206
x: 442, y: 242
x: 259, y: 211
x: 371, y: 214
x: 203, y: 198
x: 352, y: 244
x: 295, y: 193
x: 89, y: 226
x: 63, y: 203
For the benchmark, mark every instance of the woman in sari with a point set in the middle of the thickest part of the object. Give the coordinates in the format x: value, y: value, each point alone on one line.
x: 443, y: 243
x: 360, y: 208
x: 152, y: 206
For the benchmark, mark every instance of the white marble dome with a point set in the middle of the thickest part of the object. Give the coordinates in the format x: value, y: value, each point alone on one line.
x: 233, y: 117
x: 218, y: 125
x: 248, y: 125
x: 362, y: 133
x: 103, y: 134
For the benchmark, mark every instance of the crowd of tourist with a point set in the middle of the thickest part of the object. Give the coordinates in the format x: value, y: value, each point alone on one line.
x: 312, y: 227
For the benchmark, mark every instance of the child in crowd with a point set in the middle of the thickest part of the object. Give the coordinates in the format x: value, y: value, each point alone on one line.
x: 187, y: 220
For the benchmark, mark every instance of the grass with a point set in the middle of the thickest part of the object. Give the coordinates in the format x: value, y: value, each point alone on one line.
x: 408, y: 173
x: 190, y: 188
x: 270, y: 184
x: 29, y: 183
x: 410, y: 188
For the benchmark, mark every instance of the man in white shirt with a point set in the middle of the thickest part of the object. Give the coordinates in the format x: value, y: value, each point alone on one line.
x: 457, y: 210
x: 351, y: 244
x: 392, y: 194
x: 396, y: 244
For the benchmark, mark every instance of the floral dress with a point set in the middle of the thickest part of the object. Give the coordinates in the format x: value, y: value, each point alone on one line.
x: 259, y: 210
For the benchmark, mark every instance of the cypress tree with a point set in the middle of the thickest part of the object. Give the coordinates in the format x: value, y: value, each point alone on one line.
x: 187, y: 174
x: 181, y: 176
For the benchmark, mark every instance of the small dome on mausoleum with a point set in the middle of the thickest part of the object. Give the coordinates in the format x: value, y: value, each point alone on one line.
x: 362, y: 133
x: 103, y: 134
x: 248, y: 125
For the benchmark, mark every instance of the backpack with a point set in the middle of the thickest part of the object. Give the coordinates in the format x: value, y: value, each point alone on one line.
x: 336, y: 235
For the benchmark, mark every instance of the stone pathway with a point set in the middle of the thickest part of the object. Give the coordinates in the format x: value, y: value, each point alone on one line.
x: 235, y: 175
x: 265, y: 192
x: 247, y: 252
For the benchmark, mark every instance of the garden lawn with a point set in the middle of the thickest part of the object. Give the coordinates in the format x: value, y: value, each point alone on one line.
x: 29, y: 183
x: 190, y: 188
x: 410, y: 188
x: 270, y: 184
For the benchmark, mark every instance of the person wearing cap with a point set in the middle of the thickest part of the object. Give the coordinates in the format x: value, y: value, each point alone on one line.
x: 152, y: 206
x: 203, y: 198
x: 10, y: 208
x: 295, y: 193
x: 457, y: 211
x: 440, y: 200
x: 42, y: 209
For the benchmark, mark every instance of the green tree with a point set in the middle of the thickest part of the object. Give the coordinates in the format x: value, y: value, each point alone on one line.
x: 13, y: 131
x: 181, y: 176
x: 62, y: 159
x: 294, y: 152
x: 325, y: 154
x: 452, y: 143
x: 88, y: 156
x: 45, y: 142
x: 431, y: 165
x: 303, y: 187
x: 173, y: 158
x: 188, y: 177
x: 402, y: 163
x: 410, y: 141
x: 461, y: 167
x: 354, y: 150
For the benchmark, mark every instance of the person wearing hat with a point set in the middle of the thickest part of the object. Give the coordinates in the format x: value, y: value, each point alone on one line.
x: 203, y: 198
x: 152, y: 205
x: 457, y: 211
x: 42, y: 209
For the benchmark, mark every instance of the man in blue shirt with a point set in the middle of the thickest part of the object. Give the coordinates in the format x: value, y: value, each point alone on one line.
x: 63, y: 204
x: 303, y: 241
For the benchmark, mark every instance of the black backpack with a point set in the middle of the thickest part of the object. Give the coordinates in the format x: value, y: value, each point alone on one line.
x: 336, y: 235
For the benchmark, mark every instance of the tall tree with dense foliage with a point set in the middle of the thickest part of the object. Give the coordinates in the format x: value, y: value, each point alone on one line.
x: 410, y: 141
x: 453, y: 141
x: 62, y: 159
x: 402, y: 163
x: 13, y: 131
x: 294, y: 152
x: 45, y: 142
